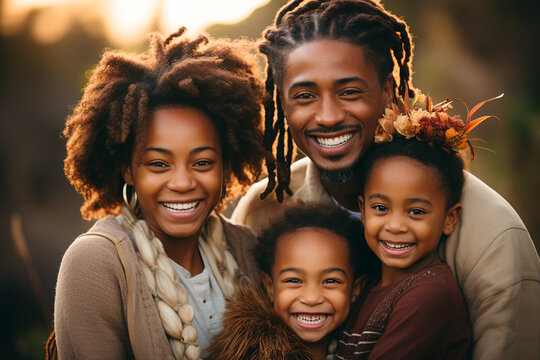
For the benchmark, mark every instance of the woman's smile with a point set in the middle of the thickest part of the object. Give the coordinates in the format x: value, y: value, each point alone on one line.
x: 182, y: 209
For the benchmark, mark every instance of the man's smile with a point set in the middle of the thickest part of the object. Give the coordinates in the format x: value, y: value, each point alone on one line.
x: 333, y: 141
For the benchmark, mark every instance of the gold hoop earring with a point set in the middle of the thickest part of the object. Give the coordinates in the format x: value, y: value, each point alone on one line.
x: 131, y: 203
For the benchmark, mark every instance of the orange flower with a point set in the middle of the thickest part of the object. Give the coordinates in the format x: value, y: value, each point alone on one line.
x: 419, y: 118
x: 405, y: 126
x: 381, y: 136
x: 387, y: 121
x: 455, y: 139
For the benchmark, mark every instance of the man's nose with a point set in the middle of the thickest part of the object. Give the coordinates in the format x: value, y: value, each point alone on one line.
x: 330, y: 112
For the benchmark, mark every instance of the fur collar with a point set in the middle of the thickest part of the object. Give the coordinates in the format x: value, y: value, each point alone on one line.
x: 252, y: 331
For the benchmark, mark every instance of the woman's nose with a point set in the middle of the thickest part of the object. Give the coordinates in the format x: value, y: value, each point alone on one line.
x: 181, y: 180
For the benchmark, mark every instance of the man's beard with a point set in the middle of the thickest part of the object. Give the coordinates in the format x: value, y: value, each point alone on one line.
x: 340, y: 176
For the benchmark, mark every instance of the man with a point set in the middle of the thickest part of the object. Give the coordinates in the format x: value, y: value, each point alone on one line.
x: 332, y: 63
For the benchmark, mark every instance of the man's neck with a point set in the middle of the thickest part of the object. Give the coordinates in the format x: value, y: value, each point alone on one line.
x: 345, y: 194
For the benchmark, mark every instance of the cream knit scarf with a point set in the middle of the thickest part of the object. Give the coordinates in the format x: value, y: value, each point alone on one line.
x: 169, y: 294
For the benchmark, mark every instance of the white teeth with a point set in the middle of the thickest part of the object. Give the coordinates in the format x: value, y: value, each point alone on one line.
x: 333, y: 142
x: 311, y: 319
x: 181, y: 207
x: 397, y: 246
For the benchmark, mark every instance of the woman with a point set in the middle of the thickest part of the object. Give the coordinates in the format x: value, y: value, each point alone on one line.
x: 153, y: 146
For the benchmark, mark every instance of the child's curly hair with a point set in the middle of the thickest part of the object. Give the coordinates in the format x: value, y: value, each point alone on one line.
x: 298, y: 216
x: 448, y: 164
x: 109, y: 123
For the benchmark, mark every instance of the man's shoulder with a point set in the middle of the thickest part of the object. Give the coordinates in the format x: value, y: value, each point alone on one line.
x: 483, y: 204
x: 251, y: 207
x: 298, y: 176
x: 490, y: 239
x: 252, y: 210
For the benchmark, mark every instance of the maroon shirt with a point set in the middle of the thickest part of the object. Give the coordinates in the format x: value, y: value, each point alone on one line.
x: 421, y: 317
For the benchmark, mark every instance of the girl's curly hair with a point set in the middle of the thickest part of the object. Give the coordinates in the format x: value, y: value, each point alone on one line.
x: 110, y: 121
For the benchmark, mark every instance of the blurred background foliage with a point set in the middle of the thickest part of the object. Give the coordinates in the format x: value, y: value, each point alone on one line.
x: 465, y: 49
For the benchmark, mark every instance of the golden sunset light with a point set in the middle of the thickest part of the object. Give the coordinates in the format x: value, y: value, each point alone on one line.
x: 86, y: 86
x: 123, y: 22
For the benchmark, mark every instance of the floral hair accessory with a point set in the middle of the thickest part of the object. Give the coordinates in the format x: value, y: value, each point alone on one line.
x: 419, y: 118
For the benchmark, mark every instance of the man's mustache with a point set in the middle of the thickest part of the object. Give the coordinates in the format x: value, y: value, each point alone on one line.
x: 339, y: 128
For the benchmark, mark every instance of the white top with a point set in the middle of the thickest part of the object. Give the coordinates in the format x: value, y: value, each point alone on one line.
x: 207, y: 301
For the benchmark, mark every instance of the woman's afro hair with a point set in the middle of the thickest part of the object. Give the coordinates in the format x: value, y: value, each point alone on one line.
x: 110, y: 122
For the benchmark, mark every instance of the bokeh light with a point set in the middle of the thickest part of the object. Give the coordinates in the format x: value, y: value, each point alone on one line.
x: 123, y: 22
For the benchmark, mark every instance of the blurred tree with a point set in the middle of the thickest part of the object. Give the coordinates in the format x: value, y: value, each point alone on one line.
x: 39, y: 83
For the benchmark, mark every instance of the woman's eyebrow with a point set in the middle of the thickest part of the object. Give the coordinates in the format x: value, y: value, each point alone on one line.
x: 169, y: 152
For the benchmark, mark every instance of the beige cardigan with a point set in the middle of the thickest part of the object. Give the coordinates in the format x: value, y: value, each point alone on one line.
x: 103, y: 306
x: 490, y: 253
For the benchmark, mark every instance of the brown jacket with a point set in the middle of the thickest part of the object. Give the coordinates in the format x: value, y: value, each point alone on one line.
x: 103, y: 306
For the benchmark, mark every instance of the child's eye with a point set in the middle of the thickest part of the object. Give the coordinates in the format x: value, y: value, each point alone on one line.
x: 292, y: 281
x: 416, y: 212
x: 379, y: 208
x: 332, y: 281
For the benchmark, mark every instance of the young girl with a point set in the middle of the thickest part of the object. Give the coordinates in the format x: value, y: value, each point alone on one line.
x: 157, y: 139
x: 410, y: 200
x: 312, y: 268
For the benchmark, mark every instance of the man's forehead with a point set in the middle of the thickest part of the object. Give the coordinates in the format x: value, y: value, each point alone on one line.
x: 327, y: 60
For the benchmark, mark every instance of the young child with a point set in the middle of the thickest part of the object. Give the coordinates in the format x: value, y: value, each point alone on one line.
x: 311, y: 265
x: 153, y: 147
x: 413, y: 179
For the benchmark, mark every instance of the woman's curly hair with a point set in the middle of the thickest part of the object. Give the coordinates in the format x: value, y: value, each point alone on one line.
x: 384, y: 38
x: 110, y: 121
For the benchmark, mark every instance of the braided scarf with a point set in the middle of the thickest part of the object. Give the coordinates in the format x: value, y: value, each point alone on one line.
x: 169, y: 294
